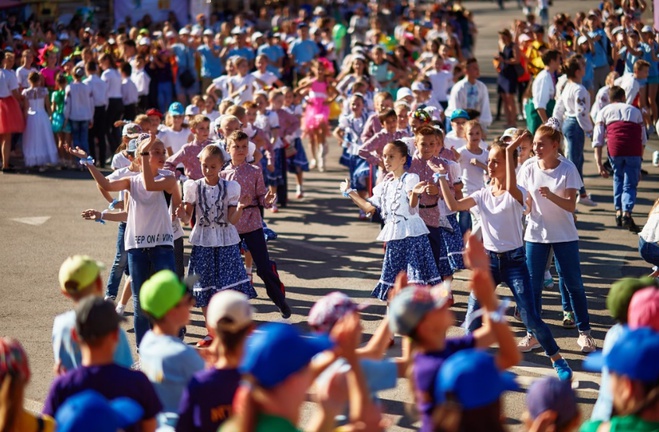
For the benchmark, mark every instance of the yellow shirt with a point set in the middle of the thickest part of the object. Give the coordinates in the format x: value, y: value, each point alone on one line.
x: 28, y: 422
x: 535, y: 64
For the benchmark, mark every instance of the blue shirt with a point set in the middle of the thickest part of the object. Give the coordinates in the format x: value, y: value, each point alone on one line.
x: 184, y: 58
x: 273, y: 53
x: 304, y: 51
x: 630, y: 59
x: 242, y: 52
x: 603, y: 408
x: 67, y: 350
x: 169, y: 364
x: 589, y: 74
x: 211, y: 65
x: 600, y: 58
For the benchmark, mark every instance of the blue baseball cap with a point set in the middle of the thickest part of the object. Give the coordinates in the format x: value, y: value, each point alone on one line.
x: 459, y: 114
x: 550, y: 393
x: 278, y: 350
x: 89, y: 410
x: 176, y: 109
x: 473, y: 377
x: 413, y: 302
x: 634, y: 355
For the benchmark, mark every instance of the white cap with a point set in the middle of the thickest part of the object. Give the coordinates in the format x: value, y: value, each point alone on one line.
x: 170, y: 34
x: 256, y: 36
x: 157, y: 34
x: 237, y: 31
x: 184, y: 31
x: 208, y: 32
x: 319, y: 10
x: 508, y: 133
x: 582, y: 40
x: 196, y: 32
x: 232, y: 308
x: 647, y: 29
x: 524, y: 38
x: 617, y: 30
x: 111, y: 41
x: 191, y: 110
x: 419, y: 86
x: 434, y: 112
x: 144, y: 41
x: 403, y: 92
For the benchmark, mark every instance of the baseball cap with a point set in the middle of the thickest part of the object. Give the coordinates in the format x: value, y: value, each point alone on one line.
x: 538, y: 29
x: 256, y: 36
x: 550, y: 393
x: 237, y: 31
x: 419, y: 86
x: 176, y: 109
x: 459, y: 114
x: 208, y: 32
x: 330, y: 309
x: 13, y: 359
x: 617, y: 30
x: 143, y: 31
x: 403, y: 92
x: 473, y: 377
x: 191, y: 110
x: 620, y: 295
x: 278, y: 350
x: 89, y: 410
x: 196, y: 32
x: 161, y: 292
x: 508, y: 133
x: 78, y: 272
x: 634, y: 355
x: 144, y: 41
x: 184, y: 31
x: 170, y: 34
x: 79, y: 71
x: 582, y: 40
x: 647, y: 29
x: 524, y: 38
x: 154, y: 112
x: 408, y: 308
x: 644, y: 309
x: 131, y: 130
x: 303, y: 24
x: 96, y: 318
x: 132, y: 146
x: 229, y: 310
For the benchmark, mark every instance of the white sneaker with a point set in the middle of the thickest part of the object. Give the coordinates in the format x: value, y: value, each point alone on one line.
x: 528, y: 343
x: 109, y: 297
x: 120, y: 309
x: 587, y: 201
x: 586, y: 342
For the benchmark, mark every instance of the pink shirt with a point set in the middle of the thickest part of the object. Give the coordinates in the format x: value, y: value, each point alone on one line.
x: 250, y: 178
x: 371, y: 150
x: 372, y: 126
x: 428, y: 209
x: 288, y: 123
x: 189, y: 157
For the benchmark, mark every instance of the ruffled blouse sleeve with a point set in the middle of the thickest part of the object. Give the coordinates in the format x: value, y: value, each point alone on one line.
x: 190, y: 192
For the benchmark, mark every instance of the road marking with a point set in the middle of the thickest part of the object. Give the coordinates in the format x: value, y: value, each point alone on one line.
x: 36, y: 221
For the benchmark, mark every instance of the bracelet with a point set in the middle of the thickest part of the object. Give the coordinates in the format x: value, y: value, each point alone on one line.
x: 87, y: 161
x: 499, y: 316
x: 100, y: 220
x: 438, y: 176
x: 113, y: 203
x: 347, y: 192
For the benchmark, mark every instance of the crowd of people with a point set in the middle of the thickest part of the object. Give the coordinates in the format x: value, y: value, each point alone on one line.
x: 201, y: 125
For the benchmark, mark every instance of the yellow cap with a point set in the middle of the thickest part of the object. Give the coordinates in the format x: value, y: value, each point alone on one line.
x: 78, y: 272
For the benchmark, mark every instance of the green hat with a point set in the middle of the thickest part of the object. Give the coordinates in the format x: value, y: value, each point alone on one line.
x: 78, y: 272
x: 143, y: 31
x: 621, y: 292
x: 161, y: 293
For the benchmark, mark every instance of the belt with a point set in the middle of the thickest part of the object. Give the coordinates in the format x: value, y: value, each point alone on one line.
x: 427, y: 206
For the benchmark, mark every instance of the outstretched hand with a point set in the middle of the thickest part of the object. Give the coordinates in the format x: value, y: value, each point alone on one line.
x: 420, y: 188
x: 344, y: 186
x: 244, y: 201
x: 77, y: 152
x: 91, y: 214
x: 270, y: 198
x: 439, y: 169
x: 475, y: 255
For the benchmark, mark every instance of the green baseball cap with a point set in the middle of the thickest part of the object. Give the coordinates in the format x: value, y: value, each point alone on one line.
x: 621, y: 292
x: 161, y: 293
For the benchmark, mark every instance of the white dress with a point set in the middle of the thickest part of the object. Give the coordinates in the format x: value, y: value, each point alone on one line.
x: 39, y: 146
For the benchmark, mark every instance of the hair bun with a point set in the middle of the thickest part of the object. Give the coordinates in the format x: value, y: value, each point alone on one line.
x: 553, y: 123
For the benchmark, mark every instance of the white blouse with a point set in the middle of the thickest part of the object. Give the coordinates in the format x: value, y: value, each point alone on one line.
x: 8, y: 82
x: 391, y: 196
x: 212, y: 227
x: 113, y: 78
x: 650, y: 231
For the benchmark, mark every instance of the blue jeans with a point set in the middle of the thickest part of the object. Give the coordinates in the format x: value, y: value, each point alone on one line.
x: 568, y: 266
x: 165, y: 95
x: 119, y: 264
x: 80, y: 134
x: 576, y: 138
x: 143, y: 263
x: 649, y: 251
x: 626, y: 174
x: 464, y: 219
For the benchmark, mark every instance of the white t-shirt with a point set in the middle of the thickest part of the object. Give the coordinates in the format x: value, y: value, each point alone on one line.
x: 473, y: 177
x: 441, y: 83
x: 222, y: 84
x: 501, y: 219
x: 455, y: 173
x: 21, y: 74
x: 175, y: 140
x: 267, y: 77
x: 246, y: 94
x: 547, y: 222
x: 149, y: 222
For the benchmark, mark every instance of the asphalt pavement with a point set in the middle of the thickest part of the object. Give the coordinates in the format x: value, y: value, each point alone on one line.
x: 322, y: 247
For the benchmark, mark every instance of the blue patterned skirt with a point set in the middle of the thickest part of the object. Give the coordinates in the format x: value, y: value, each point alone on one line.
x: 359, y: 172
x: 275, y: 178
x: 411, y: 254
x: 299, y: 160
x: 218, y: 268
x: 452, y: 245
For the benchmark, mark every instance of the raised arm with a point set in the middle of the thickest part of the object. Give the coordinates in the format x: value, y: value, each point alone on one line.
x: 463, y: 204
x: 104, y: 183
x: 364, y: 205
x: 511, y: 176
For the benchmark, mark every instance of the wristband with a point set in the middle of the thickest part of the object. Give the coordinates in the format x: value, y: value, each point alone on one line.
x: 87, y: 161
x: 100, y: 220
x: 113, y: 203
x: 499, y: 316
x: 438, y: 176
x: 347, y: 192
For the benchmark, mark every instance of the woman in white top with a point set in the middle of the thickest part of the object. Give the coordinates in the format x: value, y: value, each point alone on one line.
x: 11, y: 114
x: 149, y: 235
x: 648, y: 240
x: 115, y: 109
x: 501, y: 206
x: 404, y: 232
x: 552, y: 183
x: 176, y: 134
x: 573, y: 111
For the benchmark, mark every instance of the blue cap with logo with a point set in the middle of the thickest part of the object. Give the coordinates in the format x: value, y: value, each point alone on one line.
x: 408, y: 308
x: 459, y: 114
x: 89, y: 410
x: 634, y: 355
x: 176, y: 109
x: 473, y: 377
x: 278, y: 350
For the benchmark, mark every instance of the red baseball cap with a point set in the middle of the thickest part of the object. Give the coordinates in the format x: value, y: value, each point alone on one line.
x: 154, y: 112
